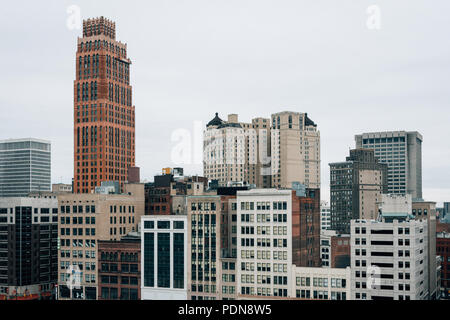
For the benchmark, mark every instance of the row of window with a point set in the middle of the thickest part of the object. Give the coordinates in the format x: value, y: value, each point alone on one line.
x: 277, y: 205
x: 78, y: 209
x: 77, y: 231
x: 80, y: 243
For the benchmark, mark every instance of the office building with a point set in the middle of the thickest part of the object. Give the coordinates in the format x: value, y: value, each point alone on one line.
x: 119, y: 263
x: 356, y: 186
x: 28, y: 248
x: 204, y: 245
x: 86, y: 219
x: 402, y: 152
x: 25, y: 166
x: 164, y: 248
x: 104, y: 115
x: 277, y: 229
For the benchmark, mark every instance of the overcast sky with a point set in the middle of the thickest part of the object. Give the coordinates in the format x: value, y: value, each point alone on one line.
x: 192, y: 58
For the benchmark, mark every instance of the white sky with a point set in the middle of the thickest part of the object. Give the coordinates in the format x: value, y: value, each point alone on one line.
x: 192, y: 58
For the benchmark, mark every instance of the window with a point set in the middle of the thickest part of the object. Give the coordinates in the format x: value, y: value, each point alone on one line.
x: 163, y: 224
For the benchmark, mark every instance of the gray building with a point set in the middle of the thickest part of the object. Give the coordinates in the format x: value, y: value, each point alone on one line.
x: 445, y: 212
x: 402, y: 152
x: 25, y: 166
x: 356, y: 186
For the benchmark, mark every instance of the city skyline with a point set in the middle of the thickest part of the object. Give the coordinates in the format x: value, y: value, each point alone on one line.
x: 173, y: 87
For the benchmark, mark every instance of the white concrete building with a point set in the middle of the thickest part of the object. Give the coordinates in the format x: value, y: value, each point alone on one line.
x: 164, y: 257
x: 389, y: 259
x: 264, y: 247
x: 321, y: 283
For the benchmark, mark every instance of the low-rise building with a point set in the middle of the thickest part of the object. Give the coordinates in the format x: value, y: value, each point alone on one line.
x: 119, y: 263
x: 61, y: 188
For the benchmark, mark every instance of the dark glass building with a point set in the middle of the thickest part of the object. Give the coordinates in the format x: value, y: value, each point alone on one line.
x: 28, y: 248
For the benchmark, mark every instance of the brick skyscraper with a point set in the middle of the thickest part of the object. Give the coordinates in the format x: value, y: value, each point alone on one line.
x: 104, y: 119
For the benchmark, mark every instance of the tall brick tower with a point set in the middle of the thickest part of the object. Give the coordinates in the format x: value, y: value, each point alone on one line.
x: 104, y: 119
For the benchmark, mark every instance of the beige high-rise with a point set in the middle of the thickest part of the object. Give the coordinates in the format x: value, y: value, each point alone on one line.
x: 295, y: 150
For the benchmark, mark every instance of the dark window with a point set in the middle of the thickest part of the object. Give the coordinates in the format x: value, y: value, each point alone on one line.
x: 163, y: 224
x: 149, y: 259
x: 163, y: 259
x: 178, y: 260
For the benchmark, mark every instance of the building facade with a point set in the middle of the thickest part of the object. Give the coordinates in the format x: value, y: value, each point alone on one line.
x: 321, y: 283
x: 356, y: 186
x: 389, y: 260
x: 25, y: 166
x: 104, y: 116
x: 164, y: 260
x: 28, y: 248
x: 204, y: 245
x: 402, y: 152
x: 84, y: 220
x: 277, y: 229
x: 119, y: 263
